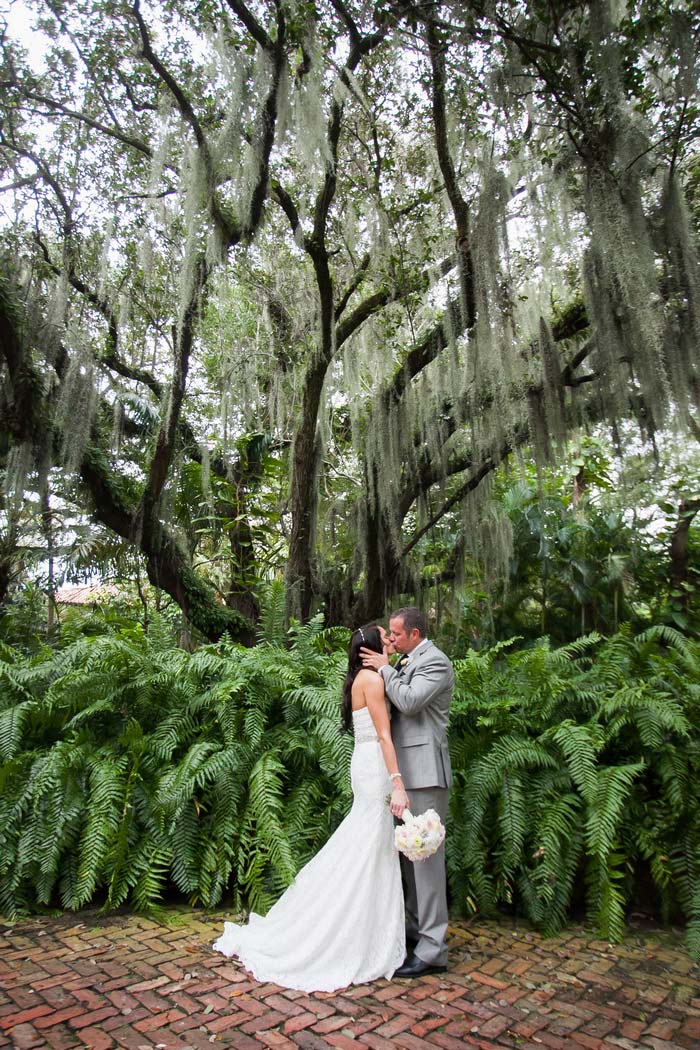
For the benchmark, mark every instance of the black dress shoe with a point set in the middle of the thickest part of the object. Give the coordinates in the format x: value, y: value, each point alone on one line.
x: 412, y: 966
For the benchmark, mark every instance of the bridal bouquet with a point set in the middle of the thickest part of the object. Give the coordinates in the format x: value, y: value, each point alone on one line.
x: 419, y: 837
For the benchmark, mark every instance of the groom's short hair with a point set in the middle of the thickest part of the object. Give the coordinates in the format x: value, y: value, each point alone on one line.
x: 413, y: 619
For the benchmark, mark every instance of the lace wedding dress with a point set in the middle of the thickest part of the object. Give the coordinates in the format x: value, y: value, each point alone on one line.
x: 341, y: 921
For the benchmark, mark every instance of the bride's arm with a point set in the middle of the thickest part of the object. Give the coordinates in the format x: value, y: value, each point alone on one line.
x: 376, y: 705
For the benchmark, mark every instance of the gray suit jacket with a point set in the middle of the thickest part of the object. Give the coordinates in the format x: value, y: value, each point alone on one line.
x: 420, y: 696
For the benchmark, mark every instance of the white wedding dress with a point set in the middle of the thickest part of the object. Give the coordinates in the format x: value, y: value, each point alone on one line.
x: 341, y: 921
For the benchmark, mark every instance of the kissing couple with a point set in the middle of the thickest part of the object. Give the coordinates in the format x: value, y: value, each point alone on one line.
x: 345, y: 919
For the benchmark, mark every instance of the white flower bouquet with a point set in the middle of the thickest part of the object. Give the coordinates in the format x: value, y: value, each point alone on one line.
x: 419, y: 837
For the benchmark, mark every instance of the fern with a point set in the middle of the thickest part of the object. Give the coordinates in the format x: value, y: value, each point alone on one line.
x: 549, y: 878
x: 106, y: 789
x: 512, y: 822
x: 130, y: 768
x: 272, y: 625
x: 184, y: 839
x: 581, y: 763
x: 11, y: 721
x: 153, y: 872
x: 580, y: 745
x: 606, y: 893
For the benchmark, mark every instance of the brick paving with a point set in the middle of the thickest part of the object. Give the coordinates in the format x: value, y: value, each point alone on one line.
x: 127, y: 981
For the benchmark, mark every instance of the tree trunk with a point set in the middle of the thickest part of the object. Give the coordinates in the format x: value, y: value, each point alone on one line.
x: 167, y: 564
x: 302, y: 504
x: 241, y: 596
x: 680, y: 569
x: 300, y: 583
x: 8, y: 565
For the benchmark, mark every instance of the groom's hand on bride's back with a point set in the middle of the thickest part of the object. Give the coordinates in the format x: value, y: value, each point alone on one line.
x: 372, y: 659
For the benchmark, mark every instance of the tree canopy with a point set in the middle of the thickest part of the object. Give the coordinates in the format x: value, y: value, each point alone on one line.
x: 284, y: 282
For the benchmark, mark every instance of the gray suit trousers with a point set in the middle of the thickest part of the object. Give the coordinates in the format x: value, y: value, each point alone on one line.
x: 426, y: 886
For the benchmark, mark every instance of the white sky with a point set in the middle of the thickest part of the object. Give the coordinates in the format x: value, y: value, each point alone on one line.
x: 20, y: 19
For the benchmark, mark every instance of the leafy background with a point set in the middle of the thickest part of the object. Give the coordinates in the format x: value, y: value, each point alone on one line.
x: 133, y: 771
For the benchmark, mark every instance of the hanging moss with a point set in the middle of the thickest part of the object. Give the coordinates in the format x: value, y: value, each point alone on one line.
x: 75, y: 409
x: 681, y: 280
x: 571, y: 196
x: 552, y: 387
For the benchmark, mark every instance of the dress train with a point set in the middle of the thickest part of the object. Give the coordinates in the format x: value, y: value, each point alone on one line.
x: 341, y: 921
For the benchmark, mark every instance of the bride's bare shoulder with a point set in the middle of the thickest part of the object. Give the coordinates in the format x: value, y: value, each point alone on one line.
x: 367, y: 683
x: 370, y: 684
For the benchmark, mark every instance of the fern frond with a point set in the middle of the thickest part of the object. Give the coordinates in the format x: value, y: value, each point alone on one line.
x: 611, y: 794
x: 272, y: 626
x: 11, y: 723
x: 580, y: 745
x: 103, y: 814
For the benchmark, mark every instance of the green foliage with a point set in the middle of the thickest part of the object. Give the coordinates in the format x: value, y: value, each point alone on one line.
x: 592, y: 542
x: 606, y: 536
x: 578, y: 766
x: 130, y: 766
x: 273, y: 615
x: 22, y: 623
x: 132, y: 769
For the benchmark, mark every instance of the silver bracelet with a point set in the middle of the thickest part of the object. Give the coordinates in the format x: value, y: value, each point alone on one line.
x: 393, y: 776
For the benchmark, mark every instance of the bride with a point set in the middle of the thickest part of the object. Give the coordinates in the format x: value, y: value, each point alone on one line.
x: 341, y: 921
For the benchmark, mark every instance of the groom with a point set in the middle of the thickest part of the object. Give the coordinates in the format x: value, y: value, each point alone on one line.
x: 420, y: 690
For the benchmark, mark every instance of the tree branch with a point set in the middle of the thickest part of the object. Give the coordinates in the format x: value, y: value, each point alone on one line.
x: 353, y: 285
x: 281, y: 197
x: 373, y: 303
x: 183, y: 102
x: 56, y: 12
x: 165, y: 442
x: 44, y: 174
x: 83, y: 118
x: 269, y: 123
x: 252, y: 25
x: 460, y: 208
x: 231, y: 233
x: 166, y: 562
x: 469, y: 485
x: 20, y: 394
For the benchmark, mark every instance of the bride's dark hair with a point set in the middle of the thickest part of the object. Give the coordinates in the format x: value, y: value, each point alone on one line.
x: 365, y: 637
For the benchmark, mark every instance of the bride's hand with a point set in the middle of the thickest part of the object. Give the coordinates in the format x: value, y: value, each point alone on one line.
x: 399, y: 802
x: 372, y: 659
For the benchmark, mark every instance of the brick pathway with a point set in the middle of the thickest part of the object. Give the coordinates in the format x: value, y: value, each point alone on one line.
x: 124, y: 981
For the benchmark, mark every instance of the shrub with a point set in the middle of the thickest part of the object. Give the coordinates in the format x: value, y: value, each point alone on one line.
x: 578, y: 763
x: 127, y: 764
x: 130, y: 766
